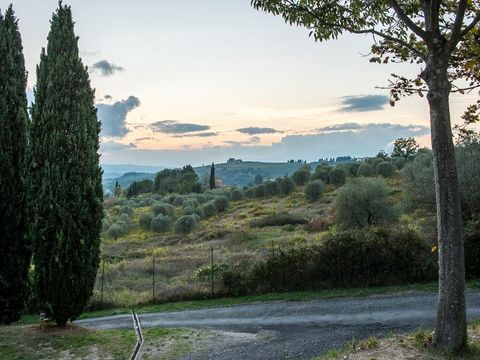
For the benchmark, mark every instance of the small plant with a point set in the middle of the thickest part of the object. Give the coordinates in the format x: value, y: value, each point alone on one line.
x: 385, y: 169
x: 145, y: 220
x: 209, y: 209
x: 185, y: 224
x: 314, y: 190
x: 221, y: 203
x: 236, y: 195
x: 160, y: 223
x: 163, y: 209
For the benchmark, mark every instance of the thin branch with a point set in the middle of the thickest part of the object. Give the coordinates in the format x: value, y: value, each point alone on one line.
x: 457, y: 25
x: 470, y: 26
x: 410, y: 24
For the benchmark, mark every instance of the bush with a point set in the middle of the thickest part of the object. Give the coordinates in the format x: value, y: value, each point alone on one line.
x: 250, y: 193
x: 337, y: 177
x: 209, y: 209
x: 321, y: 173
x: 301, y: 176
x: 365, y: 170
x: 126, y: 210
x: 160, y: 223
x: 282, y: 218
x: 418, y: 184
x: 185, y: 224
x: 222, y: 203
x: 236, y: 195
x: 178, y: 201
x: 373, y: 257
x: 116, y: 230
x: 163, y: 209
x: 385, y: 169
x: 272, y: 188
x: 399, y: 162
x: 145, y: 220
x: 286, y: 185
x: 314, y: 190
x: 260, y: 191
x: 363, y: 202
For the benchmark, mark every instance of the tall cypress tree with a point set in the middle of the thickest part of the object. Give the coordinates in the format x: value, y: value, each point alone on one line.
x: 14, y: 250
x: 66, y: 188
x: 212, y: 177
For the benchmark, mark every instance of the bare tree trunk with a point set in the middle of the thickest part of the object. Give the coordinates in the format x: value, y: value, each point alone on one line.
x: 451, y: 328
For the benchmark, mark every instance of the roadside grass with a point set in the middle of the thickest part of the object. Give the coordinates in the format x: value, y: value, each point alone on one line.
x: 416, y: 345
x: 74, y: 342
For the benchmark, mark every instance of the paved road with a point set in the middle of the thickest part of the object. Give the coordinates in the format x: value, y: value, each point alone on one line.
x: 296, y: 330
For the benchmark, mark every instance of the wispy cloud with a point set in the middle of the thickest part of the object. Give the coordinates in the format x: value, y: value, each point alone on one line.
x: 258, y: 130
x: 109, y: 146
x: 106, y: 68
x: 175, y: 127
x: 200, y: 134
x: 364, y: 103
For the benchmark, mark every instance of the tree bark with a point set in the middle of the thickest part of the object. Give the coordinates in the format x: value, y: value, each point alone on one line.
x: 450, y: 328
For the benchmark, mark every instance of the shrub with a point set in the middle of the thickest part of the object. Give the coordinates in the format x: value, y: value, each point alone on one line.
x: 260, y: 191
x: 317, y: 224
x: 282, y: 218
x: 160, y: 223
x: 272, y: 188
x: 286, y: 185
x: 301, y: 176
x: 250, y: 192
x: 385, y: 169
x: 399, y: 162
x: 418, y: 184
x: 145, y: 220
x: 178, y: 201
x: 236, y: 195
x: 314, y: 190
x: 116, y: 230
x: 164, y: 209
x: 185, y: 224
x: 337, y: 177
x: 321, y: 173
x: 365, y: 170
x: 209, y: 209
x: 363, y: 202
x: 126, y: 210
x: 222, y: 203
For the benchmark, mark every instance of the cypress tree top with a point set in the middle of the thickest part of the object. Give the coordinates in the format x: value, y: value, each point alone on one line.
x: 66, y: 190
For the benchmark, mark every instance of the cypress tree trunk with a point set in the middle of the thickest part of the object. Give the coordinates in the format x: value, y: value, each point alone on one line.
x: 451, y: 324
x: 14, y: 249
x: 66, y: 191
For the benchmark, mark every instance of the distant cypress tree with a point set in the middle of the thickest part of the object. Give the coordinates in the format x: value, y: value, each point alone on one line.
x: 212, y: 177
x: 14, y: 249
x: 66, y: 188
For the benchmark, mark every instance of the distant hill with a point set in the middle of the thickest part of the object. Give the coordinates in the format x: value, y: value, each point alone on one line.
x: 125, y: 180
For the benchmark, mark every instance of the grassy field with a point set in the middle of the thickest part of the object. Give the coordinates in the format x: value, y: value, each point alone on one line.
x: 35, y: 343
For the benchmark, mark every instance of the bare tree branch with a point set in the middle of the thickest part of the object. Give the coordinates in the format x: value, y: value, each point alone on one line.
x: 410, y: 24
x: 457, y: 25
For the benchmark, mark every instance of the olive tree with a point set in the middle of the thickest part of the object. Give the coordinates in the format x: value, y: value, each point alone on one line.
x: 439, y: 35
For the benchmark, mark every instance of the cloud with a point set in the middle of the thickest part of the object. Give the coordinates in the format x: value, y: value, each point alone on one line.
x: 108, y: 97
x: 365, y: 141
x: 364, y: 103
x: 113, y: 116
x: 175, y: 127
x: 202, y: 134
x: 341, y: 127
x: 356, y: 127
x: 109, y: 146
x: 106, y: 68
x: 257, y: 130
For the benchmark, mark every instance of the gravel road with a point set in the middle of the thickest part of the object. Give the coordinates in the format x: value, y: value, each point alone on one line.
x: 295, y: 330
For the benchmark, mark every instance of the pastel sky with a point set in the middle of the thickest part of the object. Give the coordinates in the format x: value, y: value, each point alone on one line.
x: 196, y: 81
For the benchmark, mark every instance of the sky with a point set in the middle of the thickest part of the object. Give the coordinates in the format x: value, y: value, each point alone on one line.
x: 195, y: 81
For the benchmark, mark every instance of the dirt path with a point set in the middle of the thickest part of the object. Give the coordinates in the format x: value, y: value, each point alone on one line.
x: 295, y: 330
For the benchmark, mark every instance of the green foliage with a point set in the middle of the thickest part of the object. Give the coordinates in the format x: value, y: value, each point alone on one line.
x: 163, y: 209
x: 209, y: 209
x: 182, y: 181
x: 126, y: 210
x: 15, y: 250
x: 280, y: 219
x: 185, y: 224
x: 145, y: 220
x: 116, y: 230
x: 363, y: 202
x: 236, y: 195
x: 385, y: 169
x: 468, y: 165
x: 260, y: 191
x: 472, y: 249
x: 221, y: 203
x: 258, y: 179
x: 399, y: 162
x: 161, y: 223
x: 272, y: 188
x: 321, y: 173
x: 65, y: 192
x: 140, y: 187
x: 418, y: 184
x: 286, y: 185
x: 337, y: 176
x: 314, y: 190
x: 301, y: 176
x: 405, y: 148
x: 365, y: 170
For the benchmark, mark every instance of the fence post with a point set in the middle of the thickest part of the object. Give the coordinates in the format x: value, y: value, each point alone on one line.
x: 212, y: 270
x: 153, y: 279
x: 103, y: 275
